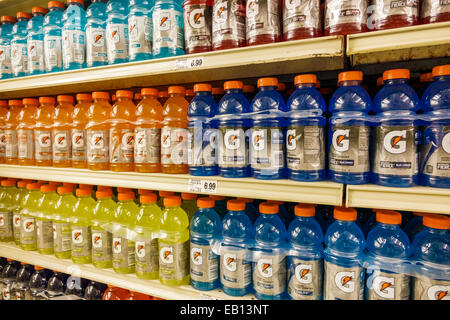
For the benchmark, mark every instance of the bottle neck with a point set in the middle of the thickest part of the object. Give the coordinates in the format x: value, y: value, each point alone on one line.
x: 101, y: 100
x: 56, y: 9
x: 74, y: 4
x: 436, y: 231
x: 174, y: 95
x: 233, y: 91
x: 306, y: 85
x: 267, y: 88
x: 203, y: 93
x: 38, y: 14
x: 84, y: 101
x: 396, y: 81
x: 389, y: 226
x: 121, y: 99
x: 150, y: 96
x: 349, y: 83
x: 442, y: 78
x: 22, y: 19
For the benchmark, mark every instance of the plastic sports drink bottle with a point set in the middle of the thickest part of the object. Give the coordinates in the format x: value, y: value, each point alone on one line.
x: 250, y: 209
x: 305, y: 135
x: 38, y: 284
x: 249, y: 92
x: 9, y: 274
x: 6, y: 210
x: 338, y: 21
x: 197, y: 25
x: 18, y: 200
x: 117, y: 31
x: 57, y: 284
x: 53, y: 36
x: 174, y: 154
x: 94, y: 291
x: 162, y: 97
x: 23, y: 276
x: 25, y: 137
x: 44, y: 223
x: 395, y: 15
x: 115, y: 293
x: 81, y: 227
x: 344, y: 241
x: 218, y: 93
x: 205, y: 230
x: 78, y: 132
x: 434, y: 11
x: 43, y: 132
x: 19, y: 49
x: 96, y: 53
x: 396, y: 138
x: 349, y: 134
x: 301, y: 19
x: 3, y: 113
x: 76, y: 286
x: 174, y: 246
x: 305, y: 268
x: 11, y: 131
x: 202, y: 139
x: 162, y: 195
x: 27, y: 219
x: 62, y: 232
x: 228, y: 24
x: 189, y: 203
x: 62, y: 141
x: 74, y: 35
x: 35, y: 41
x: 97, y: 132
x: 5, y: 46
x: 233, y: 143
x: 140, y: 26
x: 263, y: 22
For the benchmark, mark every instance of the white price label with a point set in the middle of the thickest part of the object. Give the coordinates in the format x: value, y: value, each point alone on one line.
x: 204, y: 296
x: 208, y: 186
x: 189, y: 63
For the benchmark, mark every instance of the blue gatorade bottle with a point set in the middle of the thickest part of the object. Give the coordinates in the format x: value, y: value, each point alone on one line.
x: 237, y: 233
x: 19, y: 50
x: 5, y: 46
x: 396, y: 136
x: 53, y: 36
x: 349, y: 132
x: 305, y: 134
x: 233, y: 140
x: 206, y: 228
x: 140, y: 30
x: 74, y: 35
x: 386, y: 242
x: 435, y: 167
x: 283, y: 213
x: 168, y: 31
x: 250, y: 209
x: 117, y: 31
x: 96, y: 53
x: 35, y: 41
x: 267, y: 146
x: 202, y: 139
x: 344, y: 241
x: 269, y: 265
x: 305, y: 268
x: 415, y: 225
x: 430, y: 250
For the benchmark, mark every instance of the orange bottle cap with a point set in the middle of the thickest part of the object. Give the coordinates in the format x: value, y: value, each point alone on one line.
x: 47, y: 100
x: 8, y: 183
x: 166, y: 193
x: 172, y: 201
x: 102, y: 188
x: 86, y: 186
x: 30, y: 101
x: 103, y: 194
x: 33, y: 186
x: 246, y: 200
x: 84, y: 97
x: 83, y: 192
x: 305, y: 210
x: 350, y: 76
x: 205, y: 203
x: 149, y: 92
x: 23, y: 263
x: 389, y: 217
x: 268, y: 208
x: 65, y: 189
x: 53, y: 4
x: 15, y: 103
x: 236, y: 205
x: 123, y: 190
x: 248, y: 88
x: 426, y: 77
x: 443, y: 70
x: 65, y: 98
x: 228, y: 85
x: 39, y: 10
x: 68, y: 184
x: 264, y: 82
x: 9, y: 259
x: 124, y: 94
x: 55, y: 183
x: 281, y: 86
x: 345, y: 214
x: 38, y: 268
x: 436, y: 221
x: 100, y: 95
x: 380, y: 81
x: 177, y: 89
x: 217, y: 91
x: 189, y: 93
x: 76, y: 1
x: 305, y: 78
x: 144, y: 191
x: 148, y: 198
x: 317, y: 85
x: 3, y: 103
x: 23, y: 183
x: 137, y: 96
x: 202, y: 87
x: 48, y: 188
x: 25, y: 15
x: 396, y: 74
x: 7, y: 19
x: 163, y: 94
x: 122, y: 196
x: 217, y: 198
x: 188, y: 196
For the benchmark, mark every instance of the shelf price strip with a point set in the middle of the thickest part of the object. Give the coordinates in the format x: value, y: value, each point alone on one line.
x: 206, y: 186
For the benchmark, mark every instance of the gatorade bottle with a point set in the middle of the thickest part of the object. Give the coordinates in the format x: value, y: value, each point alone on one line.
x: 53, y: 36
x: 115, y: 293
x: 57, y: 284
x: 140, y: 28
x: 96, y: 53
x: 228, y: 24
x: 44, y: 223
x: 305, y: 135
x: 220, y: 205
x: 305, y: 268
x: 174, y: 246
x: 5, y: 46
x: 349, y: 133
x: 27, y: 219
x: 263, y: 22
x: 162, y: 97
x: 434, y: 11
x: 301, y: 19
x: 25, y: 137
x: 94, y: 291
x: 218, y: 93
x: 117, y: 31
x: 21, y: 285
x: 415, y: 225
x: 233, y: 143
x: 147, y: 226
x: 18, y: 201
x: 62, y: 232
x: 74, y: 35
x: 78, y: 132
x: 39, y: 283
x: 76, y: 286
x: 19, y: 49
x: 250, y: 209
x: 202, y: 139
x: 3, y: 113
x: 344, y: 17
x: 168, y: 34
x: 249, y: 92
x: 189, y: 204
x: 431, y: 255
x: 396, y: 136
x: 174, y: 157
x: 197, y: 25
x: 147, y: 146
x: 6, y: 210
x: 389, y: 15
x: 43, y: 132
x: 121, y: 133
x: 81, y: 227
x: 162, y: 195
x: 35, y: 41
x: 62, y: 141
x: 97, y: 132
x: 9, y: 273
x: 10, y: 128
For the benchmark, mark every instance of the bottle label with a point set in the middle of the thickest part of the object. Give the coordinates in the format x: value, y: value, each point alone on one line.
x: 305, y: 146
x: 204, y: 263
x: 5, y: 59
x: 263, y: 18
x: 305, y: 279
x: 53, y: 52
x: 25, y: 144
x: 349, y: 149
x: 43, y: 144
x: 266, y: 149
x: 6, y: 225
x: 436, y: 155
x: 395, y: 150
x: 387, y: 8
x: 202, y: 146
x: 81, y: 241
x: 235, y: 272
x: 2, y: 143
x: 16, y: 226
x: 174, y: 146
x: 44, y: 234
x: 19, y: 57
x: 197, y: 26
x: 343, y: 283
x: 78, y: 145
x: 28, y: 230
x: 62, y: 147
x: 147, y: 260
x: 11, y: 143
x: 97, y: 146
x: 140, y: 30
x: 121, y: 145
x: 96, y: 45
x: 173, y: 260
x: 117, y: 41
x: 228, y: 23
x: 101, y: 245
x: 62, y: 237
x: 387, y: 286
x: 147, y: 145
x: 301, y: 14
x: 269, y: 275
x: 123, y: 253
x: 430, y: 289
x: 6, y: 292
x: 74, y: 46
x: 430, y: 8
x: 167, y: 32
x: 233, y: 148
x: 345, y: 11
x: 36, y: 55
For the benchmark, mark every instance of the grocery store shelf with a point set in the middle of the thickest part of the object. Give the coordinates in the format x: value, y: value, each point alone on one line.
x: 411, y: 43
x: 108, y: 276
x: 421, y: 199
x: 285, y: 190
x: 11, y: 7
x: 309, y: 55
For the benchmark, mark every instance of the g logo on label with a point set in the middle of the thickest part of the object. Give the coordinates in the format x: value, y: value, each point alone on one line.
x: 291, y: 143
x: 265, y: 267
x: 77, y: 140
x: 140, y: 249
x: 117, y: 245
x: 28, y: 225
x: 303, y: 273
x: 222, y: 12
x: 166, y: 255
x: 97, y: 240
x: 229, y: 261
x: 232, y: 139
x: 197, y: 256
x: 99, y: 39
x: 97, y: 141
x: 164, y: 23
x: 446, y: 142
x: 60, y: 140
x: 384, y: 287
x: 197, y: 18
x: 340, y: 140
x: 115, y: 35
x: 128, y: 139
x: 44, y: 140
x: 258, y: 139
x: 77, y: 236
x: 394, y: 142
x: 439, y: 293
x: 345, y: 281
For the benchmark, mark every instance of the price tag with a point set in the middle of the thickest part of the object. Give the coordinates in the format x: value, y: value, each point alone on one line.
x: 204, y: 296
x: 208, y: 186
x: 189, y: 63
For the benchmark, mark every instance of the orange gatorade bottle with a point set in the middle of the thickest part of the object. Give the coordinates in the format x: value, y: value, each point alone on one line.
x: 97, y: 132
x: 121, y: 133
x: 62, y: 125
x: 25, y: 138
x: 43, y: 132
x: 174, y: 132
x: 147, y: 146
x: 79, y: 122
x: 3, y: 112
x: 10, y: 131
x: 162, y: 97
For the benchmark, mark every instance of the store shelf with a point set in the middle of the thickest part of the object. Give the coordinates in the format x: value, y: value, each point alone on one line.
x: 11, y: 7
x: 417, y: 42
x: 421, y: 199
x: 108, y: 276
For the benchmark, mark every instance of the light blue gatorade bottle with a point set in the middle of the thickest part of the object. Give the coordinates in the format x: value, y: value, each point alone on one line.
x: 305, y: 133
x: 117, y: 31
x: 7, y: 24
x: 35, y: 41
x: 305, y: 266
x: 206, y: 229
x: 140, y: 30
x: 415, y: 225
x: 74, y: 35
x: 53, y: 36
x: 96, y: 53
x: 19, y: 50
x: 396, y: 137
x: 344, y: 242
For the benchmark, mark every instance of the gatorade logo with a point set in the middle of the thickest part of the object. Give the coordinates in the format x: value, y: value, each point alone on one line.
x: 31, y: 51
x: 384, y: 287
x: 166, y: 255
x: 17, y: 221
x: 197, y: 18
x: 140, y: 249
x: 446, y: 142
x: 28, y: 225
x: 15, y: 54
x: 229, y: 261
x: 117, y: 245
x: 165, y: 140
x: 232, y: 139
x: 2, y: 56
x: 252, y: 9
x: 303, y: 273
x: 291, y: 143
x: 133, y: 31
x: 97, y: 141
x: 128, y: 140
x: 197, y: 256
x: 344, y: 281
x: 439, y: 293
x: 61, y: 140
x: 258, y: 139
x: 164, y: 22
x: 6, y: 295
x: 292, y: 4
x: 44, y: 140
x: 264, y: 267
x: 98, y: 40
x: 77, y: 236
x: 2, y: 221
x: 340, y: 140
x: 222, y: 12
x: 3, y: 140
x: 395, y: 142
x: 78, y: 139
x: 115, y: 35
x: 140, y: 139
x: 97, y: 241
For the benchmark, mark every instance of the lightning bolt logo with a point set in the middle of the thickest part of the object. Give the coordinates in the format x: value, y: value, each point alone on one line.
x: 396, y: 140
x: 164, y: 19
x: 44, y: 139
x: 77, y: 235
x: 167, y: 253
x: 132, y: 28
x: 130, y: 140
x: 3, y: 138
x: 304, y: 273
x: 77, y: 139
x: 31, y: 48
x: 97, y: 38
x: 1, y: 52
x: 340, y: 139
x: 197, y: 17
x: 140, y: 140
x: 116, y: 244
x: 114, y: 33
x: 140, y: 248
x: 96, y: 239
x: 346, y: 280
x: 441, y: 295
x: 230, y: 260
x: 196, y: 255
x: 385, y: 285
x: 28, y: 225
x: 265, y: 266
x: 290, y: 138
x: 165, y: 138
x: 61, y: 139
x: 219, y: 13
x: 98, y: 140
